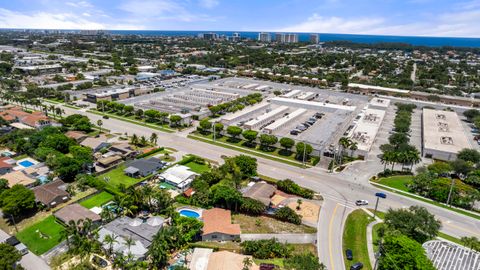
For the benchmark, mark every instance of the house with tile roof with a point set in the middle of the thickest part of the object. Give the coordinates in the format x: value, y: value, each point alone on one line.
x: 18, y: 178
x: 217, y: 225
x: 51, y: 194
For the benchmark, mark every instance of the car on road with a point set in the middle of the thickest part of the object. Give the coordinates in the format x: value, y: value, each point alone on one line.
x: 105, y: 117
x: 356, y: 266
x: 361, y: 202
x: 349, y: 254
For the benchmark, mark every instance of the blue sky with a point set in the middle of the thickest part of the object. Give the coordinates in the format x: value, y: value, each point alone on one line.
x: 455, y: 18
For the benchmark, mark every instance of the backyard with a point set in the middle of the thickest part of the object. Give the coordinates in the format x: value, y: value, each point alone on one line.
x: 97, y: 200
x: 42, y: 236
x: 116, y: 177
x: 264, y: 224
x: 355, y: 238
x: 198, y: 168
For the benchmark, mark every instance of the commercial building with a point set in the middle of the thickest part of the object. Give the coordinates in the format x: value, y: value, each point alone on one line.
x: 264, y: 37
x: 246, y: 113
x: 40, y: 69
x: 284, y: 121
x: 443, y: 135
x: 265, y: 118
x: 208, y: 36
x: 365, y: 131
x: 292, y: 94
x: 311, y: 105
x: 286, y: 37
x: 379, y: 103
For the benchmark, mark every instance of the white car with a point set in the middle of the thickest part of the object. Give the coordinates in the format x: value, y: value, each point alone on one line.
x: 361, y: 202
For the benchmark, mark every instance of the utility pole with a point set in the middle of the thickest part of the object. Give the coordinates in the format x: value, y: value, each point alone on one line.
x: 14, y: 223
x: 304, y: 151
x: 451, y: 191
x: 213, y: 131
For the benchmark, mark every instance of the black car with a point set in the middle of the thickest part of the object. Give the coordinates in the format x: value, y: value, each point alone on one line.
x: 356, y: 266
x: 349, y: 254
x: 105, y: 117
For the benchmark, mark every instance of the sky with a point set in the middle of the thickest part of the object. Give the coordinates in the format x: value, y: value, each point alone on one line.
x: 446, y: 18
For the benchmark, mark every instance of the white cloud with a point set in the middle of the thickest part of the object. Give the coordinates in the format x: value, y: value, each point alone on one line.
x: 81, y: 4
x: 44, y: 20
x: 209, y: 3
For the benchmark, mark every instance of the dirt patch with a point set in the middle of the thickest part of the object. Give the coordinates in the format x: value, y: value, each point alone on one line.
x: 308, y: 210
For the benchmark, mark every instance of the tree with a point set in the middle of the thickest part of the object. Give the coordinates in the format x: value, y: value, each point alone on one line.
x: 287, y: 143
x: 471, y: 114
x: 246, y: 164
x: 288, y: 215
x: 305, y: 261
x: 470, y: 155
x: 471, y: 242
x: 415, y: 222
x: 267, y: 141
x: 440, y: 168
x: 401, y: 252
x: 461, y: 166
x: 17, y: 200
x: 110, y: 240
x: 100, y: 124
x: 3, y: 185
x: 205, y: 125
x: 153, y: 138
x: 250, y: 136
x: 234, y: 131
x: 9, y: 256
x: 175, y: 119
x: 303, y: 150
x: 218, y: 127
x: 252, y: 207
x: 247, y: 263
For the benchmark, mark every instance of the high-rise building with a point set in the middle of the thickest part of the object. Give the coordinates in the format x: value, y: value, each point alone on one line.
x: 236, y: 37
x: 286, y: 38
x: 208, y: 36
x: 314, y: 38
x: 264, y: 37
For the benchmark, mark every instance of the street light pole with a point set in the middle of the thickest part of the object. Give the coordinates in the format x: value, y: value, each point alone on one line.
x: 378, y: 195
x: 213, y: 131
x: 304, y: 151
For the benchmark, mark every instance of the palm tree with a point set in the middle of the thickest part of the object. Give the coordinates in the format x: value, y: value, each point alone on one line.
x: 344, y: 142
x: 52, y: 108
x: 129, y: 242
x: 353, y: 147
x: 299, y: 203
x: 143, y: 141
x: 414, y: 158
x: 470, y: 242
x: 247, y: 263
x: 110, y: 239
x: 59, y: 111
x: 153, y: 138
x: 134, y: 139
x: 100, y: 124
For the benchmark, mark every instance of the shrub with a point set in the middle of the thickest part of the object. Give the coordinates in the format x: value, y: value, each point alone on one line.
x: 266, y: 249
x: 291, y: 187
x: 288, y: 215
x: 252, y: 206
x: 156, y: 150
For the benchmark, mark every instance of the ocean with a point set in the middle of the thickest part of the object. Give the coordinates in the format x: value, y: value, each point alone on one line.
x: 369, y: 39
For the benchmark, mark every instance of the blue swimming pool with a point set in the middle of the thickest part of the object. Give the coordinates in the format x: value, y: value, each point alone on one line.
x: 26, y: 163
x: 189, y: 213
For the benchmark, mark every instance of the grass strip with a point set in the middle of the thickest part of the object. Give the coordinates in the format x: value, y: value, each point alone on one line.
x: 355, y: 238
x: 132, y: 121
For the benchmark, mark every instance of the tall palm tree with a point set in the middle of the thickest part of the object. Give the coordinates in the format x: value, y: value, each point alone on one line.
x: 59, y: 111
x: 143, y: 141
x: 100, y: 124
x: 129, y: 242
x: 134, y: 139
x: 110, y: 239
x: 153, y: 138
x: 344, y: 143
x: 247, y: 263
x: 52, y: 108
x: 353, y: 147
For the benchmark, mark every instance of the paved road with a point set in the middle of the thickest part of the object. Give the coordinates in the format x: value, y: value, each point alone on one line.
x: 31, y: 261
x: 336, y: 188
x: 293, y: 238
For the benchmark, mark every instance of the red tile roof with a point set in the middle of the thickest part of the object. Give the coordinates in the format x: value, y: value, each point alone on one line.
x: 219, y: 220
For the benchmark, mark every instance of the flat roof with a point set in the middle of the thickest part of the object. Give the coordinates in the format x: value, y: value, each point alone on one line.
x: 367, y: 128
x: 285, y: 119
x: 247, y: 110
x: 291, y: 93
x: 380, y: 88
x: 443, y: 131
x: 267, y: 115
x: 380, y: 102
x: 303, y: 103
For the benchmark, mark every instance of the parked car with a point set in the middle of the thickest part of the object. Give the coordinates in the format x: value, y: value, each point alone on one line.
x: 356, y: 266
x: 294, y: 132
x: 349, y: 254
x: 307, y: 124
x: 301, y: 127
x: 105, y: 117
x: 361, y: 202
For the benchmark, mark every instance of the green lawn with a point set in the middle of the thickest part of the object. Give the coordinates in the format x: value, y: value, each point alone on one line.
x: 198, y: 168
x: 355, y: 238
x: 399, y: 182
x: 116, y: 177
x: 22, y: 156
x: 42, y: 236
x: 97, y: 200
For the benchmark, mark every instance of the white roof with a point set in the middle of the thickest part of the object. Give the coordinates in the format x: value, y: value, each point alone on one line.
x: 266, y: 115
x: 443, y: 131
x: 20, y: 126
x: 285, y: 119
x: 367, y: 128
x: 177, y: 174
x: 380, y: 88
x: 247, y: 110
x: 303, y: 103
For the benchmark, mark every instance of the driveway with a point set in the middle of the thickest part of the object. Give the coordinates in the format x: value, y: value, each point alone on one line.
x: 31, y: 261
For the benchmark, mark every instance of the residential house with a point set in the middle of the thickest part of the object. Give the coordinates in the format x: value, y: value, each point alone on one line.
x: 6, y: 165
x: 51, y: 194
x: 143, y: 167
x: 18, y: 178
x: 123, y: 228
x: 78, y: 136
x: 75, y: 212
x: 217, y: 225
x: 35, y: 119
x: 179, y: 176
x: 260, y: 191
x: 95, y: 144
x: 124, y: 150
x: 109, y: 161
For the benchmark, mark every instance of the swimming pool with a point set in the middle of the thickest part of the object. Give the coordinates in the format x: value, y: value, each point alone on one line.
x: 189, y: 213
x: 26, y: 163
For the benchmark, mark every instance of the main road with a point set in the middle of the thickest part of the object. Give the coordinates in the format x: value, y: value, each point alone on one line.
x: 339, y: 190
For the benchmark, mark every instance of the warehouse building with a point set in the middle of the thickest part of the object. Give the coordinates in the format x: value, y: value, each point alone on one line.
x: 246, y: 113
x: 443, y: 135
x: 379, y: 103
x: 264, y: 119
x: 311, y: 105
x: 284, y: 121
